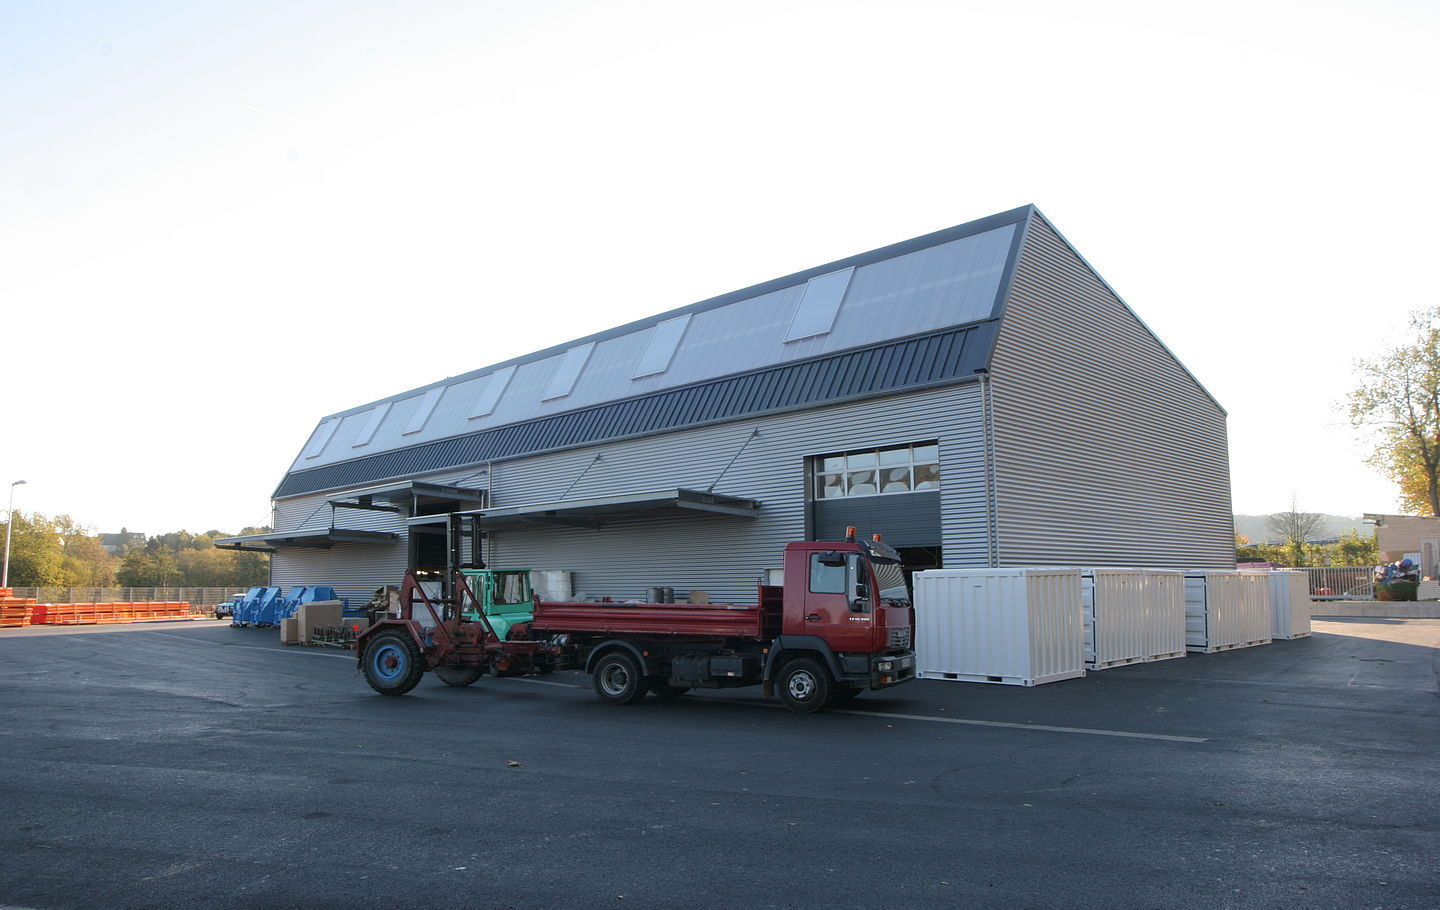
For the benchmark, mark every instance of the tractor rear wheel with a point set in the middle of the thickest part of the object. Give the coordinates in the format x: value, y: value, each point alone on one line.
x: 393, y: 664
x: 458, y: 676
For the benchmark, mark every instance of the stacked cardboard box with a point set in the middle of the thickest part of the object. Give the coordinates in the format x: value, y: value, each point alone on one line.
x: 315, y: 614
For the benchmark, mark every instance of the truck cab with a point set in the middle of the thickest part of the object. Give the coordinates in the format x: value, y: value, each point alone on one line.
x: 832, y: 604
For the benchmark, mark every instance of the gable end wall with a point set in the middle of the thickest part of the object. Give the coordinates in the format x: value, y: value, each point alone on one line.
x: 1107, y: 451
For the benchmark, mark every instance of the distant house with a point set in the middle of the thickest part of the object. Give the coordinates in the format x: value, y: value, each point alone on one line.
x: 1400, y: 535
x: 116, y: 544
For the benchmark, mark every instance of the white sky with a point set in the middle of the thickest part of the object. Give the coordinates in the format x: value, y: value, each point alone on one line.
x: 221, y: 222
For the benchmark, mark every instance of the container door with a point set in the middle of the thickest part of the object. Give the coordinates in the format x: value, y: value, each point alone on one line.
x: 840, y: 602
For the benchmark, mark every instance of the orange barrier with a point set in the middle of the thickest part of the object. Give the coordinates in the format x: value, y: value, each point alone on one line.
x: 103, y: 613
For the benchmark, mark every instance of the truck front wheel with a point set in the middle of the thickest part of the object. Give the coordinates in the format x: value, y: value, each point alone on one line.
x: 393, y: 664
x: 618, y: 680
x: 804, y: 685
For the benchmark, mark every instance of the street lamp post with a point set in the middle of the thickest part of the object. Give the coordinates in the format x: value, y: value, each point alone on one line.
x: 9, y: 526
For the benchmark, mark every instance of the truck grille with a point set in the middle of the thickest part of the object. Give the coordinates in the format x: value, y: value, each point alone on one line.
x: 899, y: 638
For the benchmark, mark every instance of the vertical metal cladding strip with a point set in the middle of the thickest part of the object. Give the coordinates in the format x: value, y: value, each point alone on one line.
x: 1196, y: 592
x: 1087, y: 590
x: 992, y: 515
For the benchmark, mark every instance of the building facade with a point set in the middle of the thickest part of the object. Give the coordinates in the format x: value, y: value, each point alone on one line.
x: 980, y: 396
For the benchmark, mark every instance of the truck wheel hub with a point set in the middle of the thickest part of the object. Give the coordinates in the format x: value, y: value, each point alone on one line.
x: 801, y: 685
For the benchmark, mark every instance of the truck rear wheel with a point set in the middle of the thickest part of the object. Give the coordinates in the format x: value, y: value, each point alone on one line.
x: 458, y: 676
x: 393, y: 664
x: 804, y: 685
x: 618, y: 680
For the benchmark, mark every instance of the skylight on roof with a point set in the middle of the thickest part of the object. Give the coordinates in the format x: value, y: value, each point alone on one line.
x: 568, y: 371
x: 321, y: 437
x: 490, y: 395
x: 818, y: 306
x: 664, y: 339
x: 368, y: 432
x: 423, y: 410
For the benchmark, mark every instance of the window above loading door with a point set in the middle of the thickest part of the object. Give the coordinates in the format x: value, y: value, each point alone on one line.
x: 878, y: 471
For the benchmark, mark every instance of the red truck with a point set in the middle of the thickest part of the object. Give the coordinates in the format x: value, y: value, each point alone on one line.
x: 822, y: 638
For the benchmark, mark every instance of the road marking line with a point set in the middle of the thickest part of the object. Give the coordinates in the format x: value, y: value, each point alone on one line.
x: 541, y: 682
x: 1014, y: 726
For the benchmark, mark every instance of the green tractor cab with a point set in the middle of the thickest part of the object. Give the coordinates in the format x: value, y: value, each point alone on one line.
x: 505, y: 597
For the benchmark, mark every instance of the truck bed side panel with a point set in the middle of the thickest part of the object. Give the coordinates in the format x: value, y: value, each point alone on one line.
x: 681, y: 620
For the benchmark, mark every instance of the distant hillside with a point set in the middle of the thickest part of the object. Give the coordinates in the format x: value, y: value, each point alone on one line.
x: 1257, y: 528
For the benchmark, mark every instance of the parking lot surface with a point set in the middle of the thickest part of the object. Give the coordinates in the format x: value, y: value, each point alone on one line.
x: 197, y: 765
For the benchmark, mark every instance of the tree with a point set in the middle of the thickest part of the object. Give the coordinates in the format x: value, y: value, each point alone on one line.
x: 36, y: 554
x: 1295, y: 527
x: 1399, y: 399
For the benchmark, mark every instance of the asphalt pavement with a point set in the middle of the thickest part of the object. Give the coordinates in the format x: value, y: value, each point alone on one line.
x: 195, y: 765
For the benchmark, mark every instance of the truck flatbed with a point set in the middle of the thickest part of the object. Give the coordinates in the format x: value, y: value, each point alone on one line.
x: 667, y: 620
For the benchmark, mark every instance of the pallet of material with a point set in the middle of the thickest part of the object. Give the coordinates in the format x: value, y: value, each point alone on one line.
x: 15, y: 612
x: 90, y: 614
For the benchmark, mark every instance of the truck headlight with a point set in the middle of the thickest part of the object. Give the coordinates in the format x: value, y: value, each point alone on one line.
x: 885, y: 665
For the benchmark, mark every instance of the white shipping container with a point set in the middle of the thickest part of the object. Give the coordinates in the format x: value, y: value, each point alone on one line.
x: 1115, y: 601
x: 1019, y: 627
x: 1290, y: 604
x: 1165, y: 606
x: 1132, y: 616
x: 1226, y: 609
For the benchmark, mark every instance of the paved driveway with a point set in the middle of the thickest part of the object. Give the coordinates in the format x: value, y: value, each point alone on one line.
x: 203, y: 766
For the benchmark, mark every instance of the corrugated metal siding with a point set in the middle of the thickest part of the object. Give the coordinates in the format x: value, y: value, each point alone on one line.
x: 720, y: 555
x: 953, y: 281
x: 927, y: 360
x: 354, y: 570
x: 1012, y: 626
x: 1107, y: 452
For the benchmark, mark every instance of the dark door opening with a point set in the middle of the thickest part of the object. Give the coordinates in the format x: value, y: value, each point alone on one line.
x: 917, y: 559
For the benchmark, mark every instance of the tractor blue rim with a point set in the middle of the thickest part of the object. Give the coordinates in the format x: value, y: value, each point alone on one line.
x: 390, y: 662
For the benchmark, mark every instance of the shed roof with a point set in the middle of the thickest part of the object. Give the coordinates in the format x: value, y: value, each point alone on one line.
x: 887, y: 309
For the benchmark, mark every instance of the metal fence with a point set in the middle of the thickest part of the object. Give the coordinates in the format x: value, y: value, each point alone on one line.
x: 1341, y: 582
x: 196, y: 597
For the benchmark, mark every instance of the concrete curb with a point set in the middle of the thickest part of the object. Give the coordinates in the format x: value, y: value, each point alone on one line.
x: 1375, y: 609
